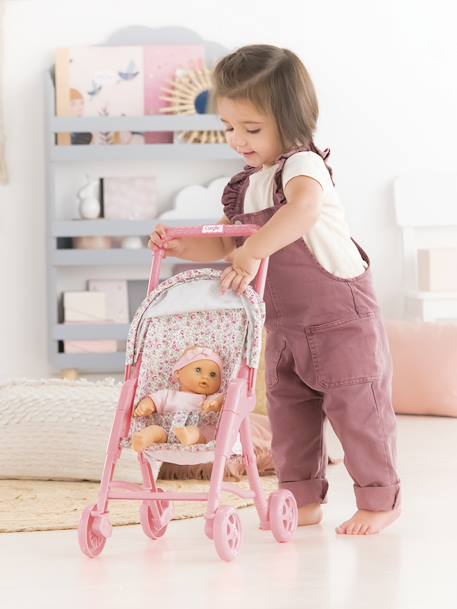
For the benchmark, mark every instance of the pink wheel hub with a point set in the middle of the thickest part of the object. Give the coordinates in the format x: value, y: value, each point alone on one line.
x: 92, y: 531
x: 151, y: 526
x: 283, y: 515
x: 227, y: 533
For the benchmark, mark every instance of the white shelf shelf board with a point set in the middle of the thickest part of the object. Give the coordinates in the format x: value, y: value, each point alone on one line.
x: 146, y: 152
x: 156, y: 123
x: 73, y: 257
x: 90, y: 362
x: 106, y: 227
x: 82, y: 331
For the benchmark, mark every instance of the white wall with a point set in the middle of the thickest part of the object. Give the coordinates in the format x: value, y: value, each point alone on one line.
x: 385, y: 74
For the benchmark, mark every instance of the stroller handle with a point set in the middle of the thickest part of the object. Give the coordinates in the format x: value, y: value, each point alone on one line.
x: 212, y: 230
x: 208, y: 230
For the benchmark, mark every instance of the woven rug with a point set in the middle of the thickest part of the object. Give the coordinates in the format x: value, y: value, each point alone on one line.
x: 46, y: 505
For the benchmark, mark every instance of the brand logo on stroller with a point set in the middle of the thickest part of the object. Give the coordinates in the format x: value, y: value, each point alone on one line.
x: 212, y: 228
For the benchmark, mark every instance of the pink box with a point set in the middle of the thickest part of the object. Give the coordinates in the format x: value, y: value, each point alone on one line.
x: 90, y: 346
x: 437, y: 269
x: 130, y: 198
x: 117, y: 303
x: 86, y: 308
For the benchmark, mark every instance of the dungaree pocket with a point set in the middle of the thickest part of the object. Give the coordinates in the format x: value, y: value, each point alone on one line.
x: 347, y: 352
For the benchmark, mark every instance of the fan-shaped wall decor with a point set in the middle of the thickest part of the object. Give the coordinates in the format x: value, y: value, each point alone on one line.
x: 189, y: 94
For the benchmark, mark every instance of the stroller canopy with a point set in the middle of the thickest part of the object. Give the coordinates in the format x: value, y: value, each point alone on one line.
x: 186, y: 310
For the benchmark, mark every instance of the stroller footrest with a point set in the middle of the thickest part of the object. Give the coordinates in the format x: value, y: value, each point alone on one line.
x: 180, y: 454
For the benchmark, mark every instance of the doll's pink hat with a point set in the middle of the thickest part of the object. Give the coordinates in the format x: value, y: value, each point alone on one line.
x: 194, y: 355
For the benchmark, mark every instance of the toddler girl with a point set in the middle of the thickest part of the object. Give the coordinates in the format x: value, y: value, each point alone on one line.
x: 326, y: 353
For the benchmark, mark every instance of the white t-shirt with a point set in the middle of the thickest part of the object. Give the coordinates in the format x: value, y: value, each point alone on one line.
x: 329, y: 238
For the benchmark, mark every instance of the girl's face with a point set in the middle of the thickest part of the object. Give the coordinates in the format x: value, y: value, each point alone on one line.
x: 249, y: 132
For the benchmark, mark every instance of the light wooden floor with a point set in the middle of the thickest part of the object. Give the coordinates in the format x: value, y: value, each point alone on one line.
x: 412, y: 565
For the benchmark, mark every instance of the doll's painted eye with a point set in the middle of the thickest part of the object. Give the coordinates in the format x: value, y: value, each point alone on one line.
x: 198, y: 369
x: 213, y: 375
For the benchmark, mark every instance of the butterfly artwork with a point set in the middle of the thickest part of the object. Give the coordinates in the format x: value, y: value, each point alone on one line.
x: 130, y: 73
x: 101, y: 81
x: 95, y: 90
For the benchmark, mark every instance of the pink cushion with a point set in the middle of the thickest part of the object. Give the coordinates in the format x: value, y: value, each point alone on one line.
x: 425, y: 367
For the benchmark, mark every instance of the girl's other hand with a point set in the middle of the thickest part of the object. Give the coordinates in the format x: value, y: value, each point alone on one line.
x: 173, y: 247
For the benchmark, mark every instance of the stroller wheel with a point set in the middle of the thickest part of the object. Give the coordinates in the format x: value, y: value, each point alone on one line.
x: 152, y: 528
x: 227, y: 532
x: 90, y: 532
x: 282, y: 514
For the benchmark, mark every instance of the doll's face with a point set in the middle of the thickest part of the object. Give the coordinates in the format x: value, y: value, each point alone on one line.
x: 202, y: 377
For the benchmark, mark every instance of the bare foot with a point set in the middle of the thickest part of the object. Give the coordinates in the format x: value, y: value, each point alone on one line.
x: 152, y: 434
x: 189, y: 435
x: 138, y: 442
x: 311, y: 513
x: 366, y: 522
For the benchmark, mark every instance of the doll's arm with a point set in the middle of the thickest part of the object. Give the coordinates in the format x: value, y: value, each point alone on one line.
x: 213, y: 404
x: 145, y: 408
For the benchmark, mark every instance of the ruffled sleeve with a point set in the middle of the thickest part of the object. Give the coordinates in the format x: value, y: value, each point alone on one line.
x: 231, y: 197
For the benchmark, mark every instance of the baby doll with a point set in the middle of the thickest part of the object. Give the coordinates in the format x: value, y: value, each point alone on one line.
x: 198, y: 372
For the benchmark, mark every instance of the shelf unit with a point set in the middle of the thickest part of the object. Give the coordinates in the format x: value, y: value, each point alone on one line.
x: 61, y: 259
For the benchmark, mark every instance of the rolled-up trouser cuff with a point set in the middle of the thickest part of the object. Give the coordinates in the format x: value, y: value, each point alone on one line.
x: 377, y: 498
x: 307, y: 491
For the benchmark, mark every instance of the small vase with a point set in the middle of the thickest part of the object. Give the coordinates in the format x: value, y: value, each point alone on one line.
x: 89, y: 205
x: 132, y: 243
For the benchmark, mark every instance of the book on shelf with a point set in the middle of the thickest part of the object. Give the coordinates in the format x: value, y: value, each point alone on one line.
x: 129, y: 198
x: 117, y: 81
x: 117, y: 302
x: 86, y: 308
x: 99, y: 81
x: 160, y: 66
x: 115, y: 291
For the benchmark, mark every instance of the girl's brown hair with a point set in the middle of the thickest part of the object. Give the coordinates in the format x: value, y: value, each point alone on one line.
x: 277, y: 83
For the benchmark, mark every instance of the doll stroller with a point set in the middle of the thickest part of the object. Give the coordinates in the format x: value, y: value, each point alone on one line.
x: 184, y: 310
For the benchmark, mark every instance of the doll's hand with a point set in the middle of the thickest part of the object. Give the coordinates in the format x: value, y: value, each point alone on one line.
x: 243, y: 270
x: 213, y: 405
x: 145, y: 408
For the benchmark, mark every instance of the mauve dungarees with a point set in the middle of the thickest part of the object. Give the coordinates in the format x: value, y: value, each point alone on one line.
x: 326, y: 356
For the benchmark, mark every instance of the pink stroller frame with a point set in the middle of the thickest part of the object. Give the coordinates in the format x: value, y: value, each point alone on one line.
x: 182, y: 311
